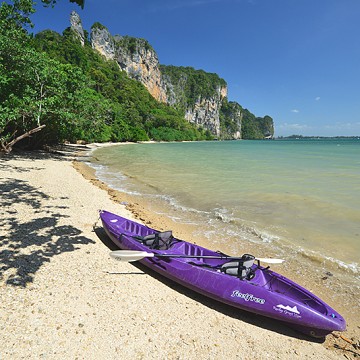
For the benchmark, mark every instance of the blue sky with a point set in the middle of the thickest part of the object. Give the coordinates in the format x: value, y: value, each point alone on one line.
x: 295, y: 60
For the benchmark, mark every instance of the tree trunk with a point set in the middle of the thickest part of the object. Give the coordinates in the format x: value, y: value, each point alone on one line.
x: 7, y: 147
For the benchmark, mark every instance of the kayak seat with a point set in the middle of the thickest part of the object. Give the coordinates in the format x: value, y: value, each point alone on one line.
x: 159, y: 241
x: 241, y: 268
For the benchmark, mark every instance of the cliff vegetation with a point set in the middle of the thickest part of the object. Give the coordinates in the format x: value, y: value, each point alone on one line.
x: 188, y: 84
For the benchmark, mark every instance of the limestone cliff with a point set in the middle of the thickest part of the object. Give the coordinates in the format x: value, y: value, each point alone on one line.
x: 77, y: 27
x: 198, y: 93
x: 102, y: 41
x: 140, y: 61
x: 201, y: 96
x: 231, y: 117
x: 134, y: 56
x: 205, y: 113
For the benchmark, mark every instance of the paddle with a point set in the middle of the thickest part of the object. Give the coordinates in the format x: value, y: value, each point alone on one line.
x: 132, y: 255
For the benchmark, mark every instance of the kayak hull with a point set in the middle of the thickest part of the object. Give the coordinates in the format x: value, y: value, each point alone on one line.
x: 267, y: 293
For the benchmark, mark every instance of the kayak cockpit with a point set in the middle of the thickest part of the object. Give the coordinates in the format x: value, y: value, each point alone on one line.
x: 243, y: 267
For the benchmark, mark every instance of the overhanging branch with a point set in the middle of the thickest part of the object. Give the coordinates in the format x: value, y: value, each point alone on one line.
x: 7, y: 147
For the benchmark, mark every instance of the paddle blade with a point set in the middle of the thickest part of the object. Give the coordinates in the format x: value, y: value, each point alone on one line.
x: 270, y: 261
x: 129, y: 255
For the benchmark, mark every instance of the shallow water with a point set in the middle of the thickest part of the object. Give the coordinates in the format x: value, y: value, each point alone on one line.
x: 299, y: 196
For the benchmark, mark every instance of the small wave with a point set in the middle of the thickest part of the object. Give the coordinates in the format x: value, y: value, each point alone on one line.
x: 176, y: 205
x: 209, y: 234
x: 239, y: 228
x: 320, y: 259
x: 114, y: 180
x: 223, y: 215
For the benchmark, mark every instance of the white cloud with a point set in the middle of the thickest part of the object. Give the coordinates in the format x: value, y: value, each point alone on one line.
x: 317, y: 98
x: 295, y: 111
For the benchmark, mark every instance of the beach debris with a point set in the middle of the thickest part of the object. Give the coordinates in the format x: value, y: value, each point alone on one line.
x: 328, y: 274
x: 354, y: 351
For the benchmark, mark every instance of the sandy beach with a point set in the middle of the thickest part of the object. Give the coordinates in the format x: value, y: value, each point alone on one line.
x: 62, y: 297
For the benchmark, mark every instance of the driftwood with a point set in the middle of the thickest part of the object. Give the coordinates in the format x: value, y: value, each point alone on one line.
x: 7, y: 147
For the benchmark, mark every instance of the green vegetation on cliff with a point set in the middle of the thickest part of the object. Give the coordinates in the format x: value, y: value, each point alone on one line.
x: 132, y: 44
x: 99, y: 26
x: 231, y: 114
x: 256, y: 127
x: 189, y: 84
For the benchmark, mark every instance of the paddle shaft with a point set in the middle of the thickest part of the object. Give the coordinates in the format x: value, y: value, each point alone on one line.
x: 220, y: 257
x: 131, y: 255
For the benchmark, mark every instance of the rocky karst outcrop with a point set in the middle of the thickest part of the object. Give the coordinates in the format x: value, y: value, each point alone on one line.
x: 134, y: 56
x: 76, y: 26
x: 103, y: 42
x: 231, y: 117
x: 139, y: 60
x: 199, y: 94
x: 206, y: 111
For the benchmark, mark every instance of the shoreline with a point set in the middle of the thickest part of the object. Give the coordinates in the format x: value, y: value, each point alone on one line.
x: 63, y: 297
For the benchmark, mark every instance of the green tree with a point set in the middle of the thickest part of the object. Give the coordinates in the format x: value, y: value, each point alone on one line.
x: 14, y: 53
x: 81, y: 3
x: 37, y: 91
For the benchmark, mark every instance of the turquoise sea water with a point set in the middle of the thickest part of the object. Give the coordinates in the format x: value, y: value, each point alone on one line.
x: 297, y: 196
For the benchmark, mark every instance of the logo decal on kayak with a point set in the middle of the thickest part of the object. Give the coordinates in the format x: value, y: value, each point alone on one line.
x: 288, y: 310
x: 247, y: 297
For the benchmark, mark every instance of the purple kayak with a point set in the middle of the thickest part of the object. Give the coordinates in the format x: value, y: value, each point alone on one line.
x: 239, y: 282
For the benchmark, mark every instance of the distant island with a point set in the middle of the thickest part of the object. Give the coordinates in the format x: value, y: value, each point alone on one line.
x: 299, y: 137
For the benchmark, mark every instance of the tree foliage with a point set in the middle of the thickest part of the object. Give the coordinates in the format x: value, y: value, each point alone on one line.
x: 131, y: 44
x: 81, y: 3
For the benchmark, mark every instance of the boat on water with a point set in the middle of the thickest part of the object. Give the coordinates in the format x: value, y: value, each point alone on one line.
x: 241, y: 282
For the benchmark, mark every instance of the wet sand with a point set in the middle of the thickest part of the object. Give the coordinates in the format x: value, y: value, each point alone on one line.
x: 63, y: 297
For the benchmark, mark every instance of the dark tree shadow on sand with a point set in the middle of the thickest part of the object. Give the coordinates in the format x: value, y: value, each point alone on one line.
x: 26, y: 245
